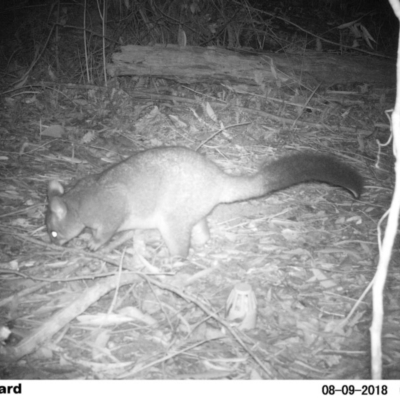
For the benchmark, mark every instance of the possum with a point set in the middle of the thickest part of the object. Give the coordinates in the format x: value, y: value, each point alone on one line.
x: 173, y: 189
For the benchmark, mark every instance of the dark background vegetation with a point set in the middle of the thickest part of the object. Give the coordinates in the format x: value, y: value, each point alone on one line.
x: 49, y: 35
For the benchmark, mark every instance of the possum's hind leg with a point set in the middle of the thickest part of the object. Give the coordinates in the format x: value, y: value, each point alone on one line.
x: 176, y: 234
x: 200, y: 233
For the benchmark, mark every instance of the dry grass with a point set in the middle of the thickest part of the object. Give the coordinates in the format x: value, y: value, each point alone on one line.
x: 308, y: 252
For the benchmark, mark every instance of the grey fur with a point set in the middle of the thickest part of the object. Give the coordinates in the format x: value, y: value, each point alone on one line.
x: 173, y: 189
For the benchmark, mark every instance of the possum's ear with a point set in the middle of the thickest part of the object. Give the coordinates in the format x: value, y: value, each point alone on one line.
x: 54, y: 189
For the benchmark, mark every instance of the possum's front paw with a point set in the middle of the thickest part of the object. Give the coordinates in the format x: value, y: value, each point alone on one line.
x: 93, y: 245
x: 99, y: 237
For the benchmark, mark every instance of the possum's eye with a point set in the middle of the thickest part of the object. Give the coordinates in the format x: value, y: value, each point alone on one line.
x: 54, y: 234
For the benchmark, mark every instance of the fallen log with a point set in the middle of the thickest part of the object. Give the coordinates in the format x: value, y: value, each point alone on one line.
x: 198, y: 64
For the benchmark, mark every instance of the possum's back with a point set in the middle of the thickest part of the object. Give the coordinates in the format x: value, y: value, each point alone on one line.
x: 165, y: 180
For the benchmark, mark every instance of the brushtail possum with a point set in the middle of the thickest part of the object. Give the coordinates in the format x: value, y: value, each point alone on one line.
x: 173, y: 189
